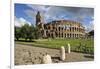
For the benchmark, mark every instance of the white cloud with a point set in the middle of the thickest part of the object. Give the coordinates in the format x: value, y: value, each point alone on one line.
x: 90, y: 26
x: 43, y: 10
x: 20, y: 22
x: 17, y: 22
x: 30, y: 13
x: 50, y: 13
x: 40, y: 8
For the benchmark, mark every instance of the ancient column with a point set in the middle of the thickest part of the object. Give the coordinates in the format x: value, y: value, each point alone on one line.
x: 45, y: 33
x: 69, y: 50
x: 62, y: 53
x: 47, y: 59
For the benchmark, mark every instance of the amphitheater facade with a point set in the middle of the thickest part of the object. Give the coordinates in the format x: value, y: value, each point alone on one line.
x: 60, y: 28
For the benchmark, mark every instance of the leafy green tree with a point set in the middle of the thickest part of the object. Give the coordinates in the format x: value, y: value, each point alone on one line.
x: 17, y: 33
x: 25, y: 31
x: 91, y: 33
x: 36, y: 33
x: 31, y: 33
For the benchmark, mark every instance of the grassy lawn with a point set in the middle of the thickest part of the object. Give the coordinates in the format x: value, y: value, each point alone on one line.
x: 64, y: 42
x: 57, y: 43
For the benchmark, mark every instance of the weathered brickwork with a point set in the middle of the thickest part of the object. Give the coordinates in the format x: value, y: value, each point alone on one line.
x: 60, y: 28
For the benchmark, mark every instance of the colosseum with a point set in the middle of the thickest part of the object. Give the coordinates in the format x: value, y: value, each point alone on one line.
x: 60, y: 28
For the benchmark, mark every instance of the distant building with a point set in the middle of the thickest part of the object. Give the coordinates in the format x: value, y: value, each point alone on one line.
x: 60, y: 28
x: 90, y: 34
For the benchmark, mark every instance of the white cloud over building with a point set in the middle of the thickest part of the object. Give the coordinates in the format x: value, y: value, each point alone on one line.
x: 19, y: 22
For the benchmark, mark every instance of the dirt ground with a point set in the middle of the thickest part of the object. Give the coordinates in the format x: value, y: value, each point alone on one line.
x: 27, y: 55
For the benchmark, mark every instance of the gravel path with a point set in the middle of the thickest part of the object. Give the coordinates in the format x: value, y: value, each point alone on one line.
x: 25, y: 55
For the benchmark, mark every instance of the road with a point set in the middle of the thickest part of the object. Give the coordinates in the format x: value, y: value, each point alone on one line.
x: 27, y: 55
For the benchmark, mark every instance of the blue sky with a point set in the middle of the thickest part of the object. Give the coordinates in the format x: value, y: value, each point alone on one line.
x: 25, y: 13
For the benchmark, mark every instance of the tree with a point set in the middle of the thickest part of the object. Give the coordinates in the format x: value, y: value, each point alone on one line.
x: 25, y: 31
x: 91, y: 33
x: 36, y: 33
x: 31, y: 33
x: 17, y: 33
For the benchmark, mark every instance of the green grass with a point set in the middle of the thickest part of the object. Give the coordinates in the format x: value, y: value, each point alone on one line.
x: 57, y: 43
x: 64, y: 42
